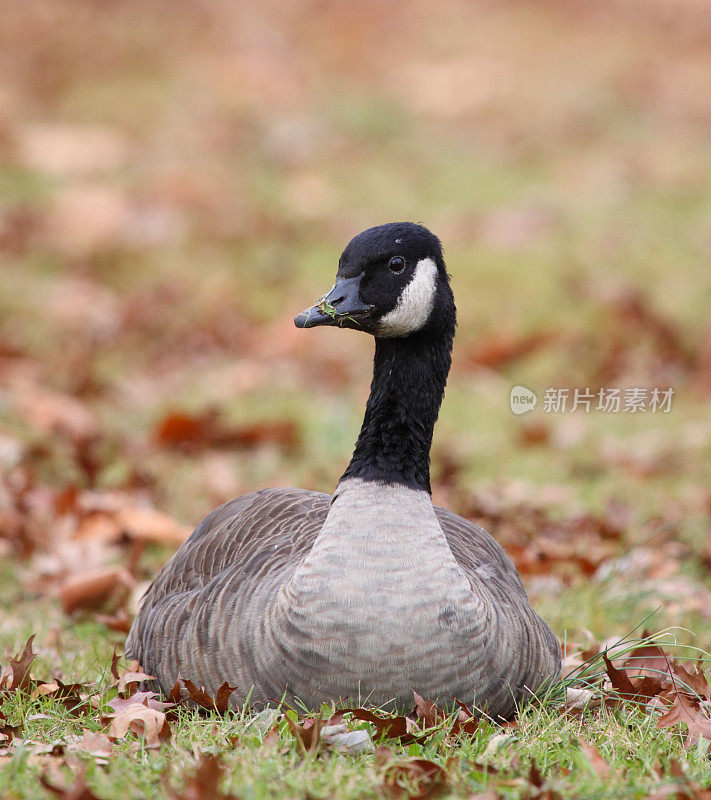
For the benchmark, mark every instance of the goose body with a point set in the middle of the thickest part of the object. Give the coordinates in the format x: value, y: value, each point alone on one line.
x: 374, y: 592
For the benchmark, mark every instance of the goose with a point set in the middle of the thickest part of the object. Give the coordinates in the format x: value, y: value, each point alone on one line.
x: 373, y: 592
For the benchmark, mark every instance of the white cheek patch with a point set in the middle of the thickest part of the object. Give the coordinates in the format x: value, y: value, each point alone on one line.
x: 415, y: 303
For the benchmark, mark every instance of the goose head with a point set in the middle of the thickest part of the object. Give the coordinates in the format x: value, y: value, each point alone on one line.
x: 391, y: 282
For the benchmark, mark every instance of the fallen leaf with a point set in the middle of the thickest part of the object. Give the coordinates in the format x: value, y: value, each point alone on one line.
x: 194, y: 432
x: 389, y: 727
x: 619, y: 680
x: 203, y: 784
x: 175, y: 695
x: 219, y: 703
x: 465, y: 722
x: 646, y: 659
x: 538, y: 784
x: 307, y: 733
x: 95, y: 744
x: 141, y: 720
x: 92, y: 589
x: 340, y: 738
x: 416, y: 778
x: 128, y: 682
x: 120, y: 621
x: 597, y: 762
x: 7, y: 730
x: 431, y: 715
x: 71, y: 696
x: 427, y: 711
x: 77, y: 791
x: 115, y: 660
x: 150, y: 525
x: 686, y: 710
x: 693, y: 678
x: 643, y: 688
x: 20, y: 668
x: 500, y: 349
x: 150, y: 699
x: 581, y: 698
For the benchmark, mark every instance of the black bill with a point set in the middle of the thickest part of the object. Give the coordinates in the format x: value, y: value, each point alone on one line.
x: 340, y: 306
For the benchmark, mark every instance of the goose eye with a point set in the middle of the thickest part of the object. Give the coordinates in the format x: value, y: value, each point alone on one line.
x: 397, y: 264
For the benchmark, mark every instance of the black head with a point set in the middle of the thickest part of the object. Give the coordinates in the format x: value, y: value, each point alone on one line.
x: 391, y: 282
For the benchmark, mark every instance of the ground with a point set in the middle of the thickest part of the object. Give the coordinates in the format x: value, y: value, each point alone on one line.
x: 177, y: 181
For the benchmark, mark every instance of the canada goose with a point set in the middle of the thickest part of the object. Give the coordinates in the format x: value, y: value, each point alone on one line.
x: 374, y: 592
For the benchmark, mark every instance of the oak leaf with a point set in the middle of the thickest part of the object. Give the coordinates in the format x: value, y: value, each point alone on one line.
x: 219, y: 703
x: 19, y: 678
x: 141, y: 720
x: 389, y: 727
x: 687, y: 710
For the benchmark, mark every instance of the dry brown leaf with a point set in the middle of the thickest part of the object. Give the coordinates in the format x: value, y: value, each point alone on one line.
x: 619, y: 680
x: 219, y: 703
x: 390, y: 727
x: 120, y: 621
x: 306, y: 733
x: 141, y: 720
x: 175, y: 695
x: 641, y: 689
x: 415, y: 778
x: 431, y: 715
x: 500, y: 349
x: 694, y: 678
x: 427, y: 711
x: 19, y: 679
x: 466, y: 722
x: 203, y: 784
x: 150, y: 525
x: 92, y: 589
x: 685, y: 709
x: 193, y: 432
x: 71, y: 696
x: 77, y: 791
x: 115, y: 660
x: 537, y: 784
x: 128, y: 682
x: 600, y: 766
x: 647, y: 659
x: 8, y: 731
x: 683, y: 789
x: 95, y: 744
x: 150, y: 699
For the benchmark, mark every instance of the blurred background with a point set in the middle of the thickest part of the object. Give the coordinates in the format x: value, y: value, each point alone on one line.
x: 178, y: 179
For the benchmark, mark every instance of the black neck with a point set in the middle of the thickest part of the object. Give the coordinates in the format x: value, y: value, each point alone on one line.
x: 409, y: 376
